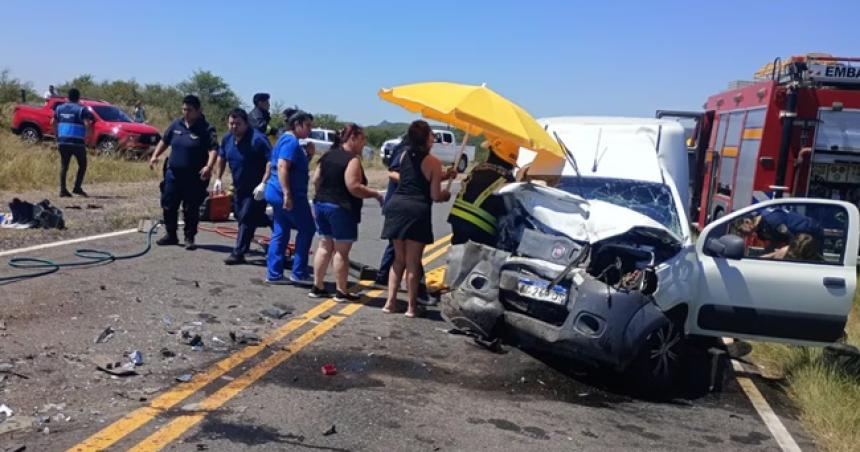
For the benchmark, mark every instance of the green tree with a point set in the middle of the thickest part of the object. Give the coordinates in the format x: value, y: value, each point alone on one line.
x: 10, y: 88
x: 327, y: 121
x: 215, y: 94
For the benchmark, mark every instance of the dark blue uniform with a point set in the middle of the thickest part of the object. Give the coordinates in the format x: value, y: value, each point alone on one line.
x: 71, y: 133
x: 781, y: 226
x: 189, y: 153
x: 247, y: 160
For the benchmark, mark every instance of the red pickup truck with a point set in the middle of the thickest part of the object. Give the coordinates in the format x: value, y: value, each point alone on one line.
x: 113, y: 132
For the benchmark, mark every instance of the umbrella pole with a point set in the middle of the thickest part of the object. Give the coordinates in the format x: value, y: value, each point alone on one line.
x: 457, y: 158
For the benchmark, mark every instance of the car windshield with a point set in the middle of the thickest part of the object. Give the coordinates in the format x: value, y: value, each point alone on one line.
x: 318, y: 135
x: 654, y: 200
x: 110, y: 113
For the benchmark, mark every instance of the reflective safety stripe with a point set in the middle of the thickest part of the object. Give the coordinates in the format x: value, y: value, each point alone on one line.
x: 476, y: 211
x: 71, y: 130
x: 475, y: 220
x: 489, y: 191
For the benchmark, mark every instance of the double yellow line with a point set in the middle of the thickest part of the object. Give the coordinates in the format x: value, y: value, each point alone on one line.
x: 131, y: 422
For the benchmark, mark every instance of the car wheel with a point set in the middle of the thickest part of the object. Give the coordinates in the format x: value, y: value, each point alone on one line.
x: 108, y: 146
x: 30, y: 135
x: 659, y: 361
x: 462, y: 164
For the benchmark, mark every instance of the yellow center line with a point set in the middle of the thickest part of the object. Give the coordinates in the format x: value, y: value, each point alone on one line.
x: 139, y: 417
x: 175, y: 428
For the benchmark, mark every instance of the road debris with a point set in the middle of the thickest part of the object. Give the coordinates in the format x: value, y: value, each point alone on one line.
x: 329, y: 369
x: 330, y: 431
x: 324, y: 316
x: 184, y: 378
x: 274, y: 312
x: 167, y: 353
x: 2, y: 325
x: 5, y: 412
x: 113, y: 367
x: 136, y: 358
x: 105, y: 335
x: 243, y: 337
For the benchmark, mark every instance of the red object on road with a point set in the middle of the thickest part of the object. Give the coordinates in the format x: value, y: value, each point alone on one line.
x: 329, y: 369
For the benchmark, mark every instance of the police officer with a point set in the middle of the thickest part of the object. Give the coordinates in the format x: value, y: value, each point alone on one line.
x: 194, y: 147
x: 71, y: 121
x: 260, y: 117
x: 247, y: 151
x: 473, y: 216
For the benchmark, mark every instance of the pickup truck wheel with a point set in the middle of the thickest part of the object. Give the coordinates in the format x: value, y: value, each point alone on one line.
x: 108, y: 146
x: 659, y: 362
x: 462, y: 164
x: 30, y: 135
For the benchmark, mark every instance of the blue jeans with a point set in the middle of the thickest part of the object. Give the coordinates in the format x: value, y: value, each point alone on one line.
x: 302, y: 221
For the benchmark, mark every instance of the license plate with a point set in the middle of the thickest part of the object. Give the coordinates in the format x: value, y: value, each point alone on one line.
x: 540, y: 290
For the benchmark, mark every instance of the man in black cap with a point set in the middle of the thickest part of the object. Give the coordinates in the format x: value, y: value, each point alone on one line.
x: 260, y: 117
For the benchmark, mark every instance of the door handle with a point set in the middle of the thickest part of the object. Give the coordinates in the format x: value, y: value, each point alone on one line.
x: 835, y: 283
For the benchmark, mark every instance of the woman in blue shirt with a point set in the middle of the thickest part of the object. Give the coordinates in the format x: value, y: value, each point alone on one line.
x: 287, y: 193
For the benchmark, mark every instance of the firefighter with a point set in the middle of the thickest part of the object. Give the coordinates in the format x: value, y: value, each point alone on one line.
x: 194, y: 148
x: 476, y: 208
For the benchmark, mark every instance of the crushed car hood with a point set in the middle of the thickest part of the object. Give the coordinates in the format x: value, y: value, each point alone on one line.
x: 581, y: 219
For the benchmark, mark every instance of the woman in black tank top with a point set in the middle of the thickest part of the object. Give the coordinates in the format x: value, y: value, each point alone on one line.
x: 340, y: 188
x: 408, y: 219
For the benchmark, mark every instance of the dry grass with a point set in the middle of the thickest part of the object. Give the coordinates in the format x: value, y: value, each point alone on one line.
x: 827, y: 397
x: 35, y: 167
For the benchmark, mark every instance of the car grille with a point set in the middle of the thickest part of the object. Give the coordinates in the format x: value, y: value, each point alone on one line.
x: 149, y: 138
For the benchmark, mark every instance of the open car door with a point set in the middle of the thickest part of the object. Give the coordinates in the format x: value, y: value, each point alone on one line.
x: 782, y: 270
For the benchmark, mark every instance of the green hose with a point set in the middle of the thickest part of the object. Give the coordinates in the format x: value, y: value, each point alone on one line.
x: 89, y: 257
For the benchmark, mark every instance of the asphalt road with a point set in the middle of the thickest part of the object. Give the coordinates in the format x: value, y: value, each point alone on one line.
x: 401, y: 384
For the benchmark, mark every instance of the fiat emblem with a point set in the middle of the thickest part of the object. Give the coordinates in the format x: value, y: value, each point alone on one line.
x: 558, y: 251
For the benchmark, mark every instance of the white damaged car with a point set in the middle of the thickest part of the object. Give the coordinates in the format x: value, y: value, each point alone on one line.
x: 595, y: 258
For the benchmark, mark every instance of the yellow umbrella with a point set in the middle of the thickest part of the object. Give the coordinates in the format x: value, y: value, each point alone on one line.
x: 474, y: 110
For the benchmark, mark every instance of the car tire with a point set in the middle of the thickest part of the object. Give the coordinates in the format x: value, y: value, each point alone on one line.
x: 108, y: 146
x: 659, y: 363
x: 31, y: 135
x: 462, y: 164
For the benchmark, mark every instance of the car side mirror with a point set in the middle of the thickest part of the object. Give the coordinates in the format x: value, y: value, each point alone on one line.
x: 728, y: 246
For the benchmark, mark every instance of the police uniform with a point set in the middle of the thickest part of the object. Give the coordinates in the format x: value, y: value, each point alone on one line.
x: 476, y: 208
x: 71, y: 133
x: 189, y: 153
x: 247, y: 160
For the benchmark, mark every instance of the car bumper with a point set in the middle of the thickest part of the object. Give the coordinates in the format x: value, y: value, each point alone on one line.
x: 596, y: 323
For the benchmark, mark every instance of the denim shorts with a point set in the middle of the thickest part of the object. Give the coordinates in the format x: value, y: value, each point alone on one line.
x: 335, y: 222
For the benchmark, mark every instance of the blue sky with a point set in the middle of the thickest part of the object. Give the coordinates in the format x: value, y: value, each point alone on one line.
x: 551, y: 57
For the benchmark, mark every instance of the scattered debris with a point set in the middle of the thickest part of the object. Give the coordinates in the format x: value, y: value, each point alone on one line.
x: 329, y: 369
x: 197, y: 284
x: 330, y: 431
x: 192, y: 407
x: 243, y: 337
x: 113, y: 367
x: 275, y: 313
x: 2, y: 325
x: 184, y: 378
x: 17, y: 423
x: 103, y: 287
x: 202, y: 447
x: 167, y: 353
x: 196, y: 341
x: 17, y: 448
x: 136, y: 358
x: 324, y: 315
x: 5, y: 412
x: 105, y: 335
x: 218, y: 340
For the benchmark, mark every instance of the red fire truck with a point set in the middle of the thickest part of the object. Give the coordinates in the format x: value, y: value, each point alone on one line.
x: 794, y: 131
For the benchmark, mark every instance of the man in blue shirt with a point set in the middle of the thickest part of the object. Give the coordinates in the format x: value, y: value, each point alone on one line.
x: 194, y: 148
x: 287, y: 193
x: 247, y: 150
x: 71, y: 123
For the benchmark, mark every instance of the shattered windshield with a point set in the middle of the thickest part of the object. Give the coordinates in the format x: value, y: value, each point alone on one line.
x: 654, y: 200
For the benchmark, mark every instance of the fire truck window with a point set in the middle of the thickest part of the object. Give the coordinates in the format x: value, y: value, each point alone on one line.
x: 723, y: 121
x: 798, y: 232
x: 733, y: 136
x: 743, y: 188
x: 727, y: 174
x: 755, y: 119
x: 838, y: 130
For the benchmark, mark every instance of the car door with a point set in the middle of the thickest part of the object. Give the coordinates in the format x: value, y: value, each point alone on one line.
x: 781, y: 270
x: 440, y: 149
